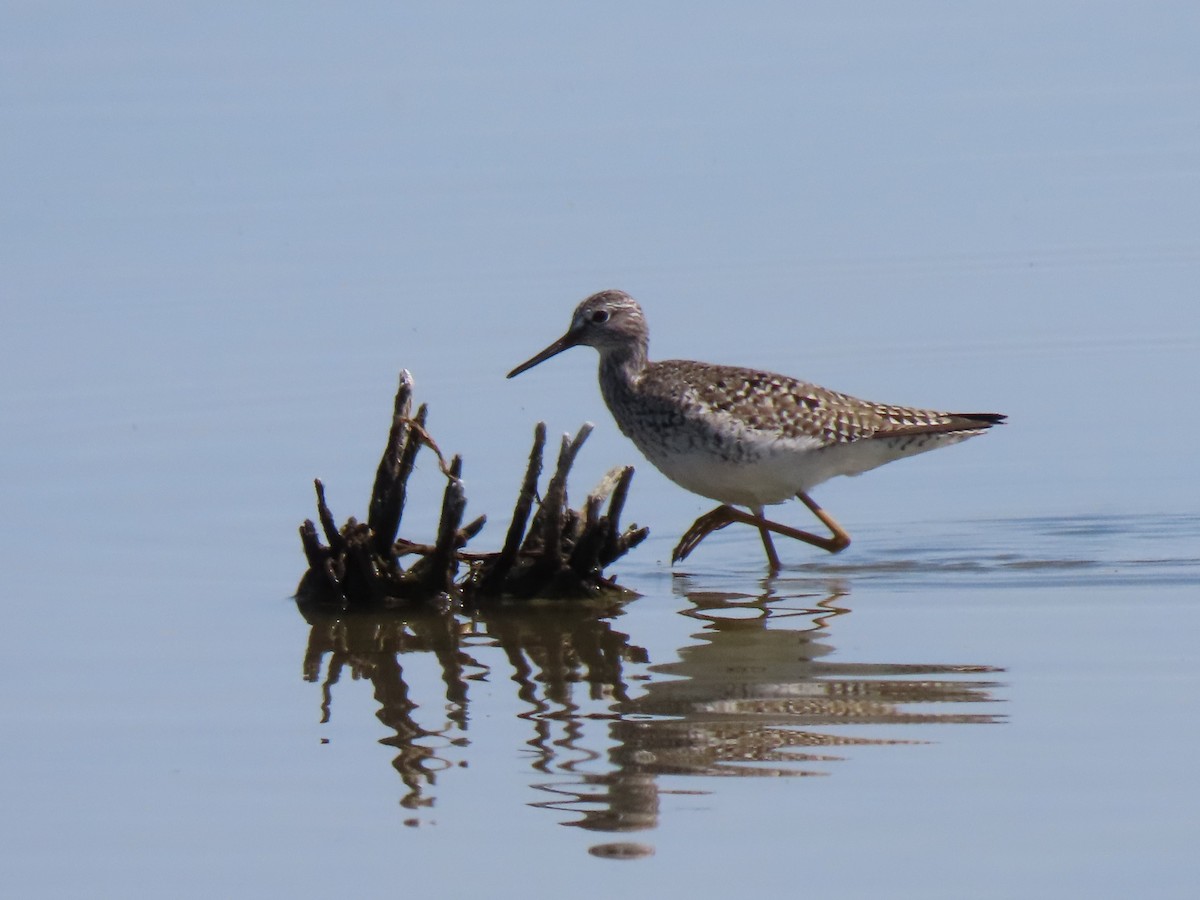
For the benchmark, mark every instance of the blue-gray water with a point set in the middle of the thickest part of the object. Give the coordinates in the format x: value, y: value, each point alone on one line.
x: 223, y: 233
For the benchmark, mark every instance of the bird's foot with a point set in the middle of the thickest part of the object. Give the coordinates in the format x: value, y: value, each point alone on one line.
x: 702, y: 528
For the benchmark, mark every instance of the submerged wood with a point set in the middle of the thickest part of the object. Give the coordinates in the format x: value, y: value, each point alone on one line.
x: 560, y: 552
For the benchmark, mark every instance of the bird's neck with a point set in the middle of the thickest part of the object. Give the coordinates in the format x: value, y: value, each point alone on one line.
x: 620, y: 370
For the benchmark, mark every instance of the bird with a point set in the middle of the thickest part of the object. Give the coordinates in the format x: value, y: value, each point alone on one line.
x: 744, y: 437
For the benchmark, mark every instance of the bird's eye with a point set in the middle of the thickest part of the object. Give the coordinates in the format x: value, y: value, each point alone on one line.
x: 600, y: 316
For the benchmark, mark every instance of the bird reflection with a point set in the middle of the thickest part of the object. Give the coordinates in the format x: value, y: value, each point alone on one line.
x: 759, y: 692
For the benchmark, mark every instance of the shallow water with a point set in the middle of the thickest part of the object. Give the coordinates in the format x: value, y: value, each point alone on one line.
x: 225, y: 233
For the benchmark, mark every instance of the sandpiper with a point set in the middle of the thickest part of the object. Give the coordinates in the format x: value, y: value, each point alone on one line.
x: 744, y: 437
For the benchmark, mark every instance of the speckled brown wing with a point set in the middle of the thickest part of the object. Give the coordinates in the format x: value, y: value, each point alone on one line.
x: 785, y: 406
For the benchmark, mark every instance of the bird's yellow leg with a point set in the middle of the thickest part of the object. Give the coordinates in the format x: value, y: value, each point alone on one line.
x: 839, y: 539
x: 768, y: 544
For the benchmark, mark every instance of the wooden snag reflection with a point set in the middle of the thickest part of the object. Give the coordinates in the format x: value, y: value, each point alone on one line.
x: 559, y: 552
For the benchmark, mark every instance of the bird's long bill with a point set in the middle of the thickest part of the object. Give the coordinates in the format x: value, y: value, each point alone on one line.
x: 566, y: 342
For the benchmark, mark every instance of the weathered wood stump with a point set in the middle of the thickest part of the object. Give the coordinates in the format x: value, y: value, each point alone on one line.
x: 560, y: 553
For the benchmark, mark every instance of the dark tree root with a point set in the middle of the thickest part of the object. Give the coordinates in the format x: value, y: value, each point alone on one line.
x: 560, y: 552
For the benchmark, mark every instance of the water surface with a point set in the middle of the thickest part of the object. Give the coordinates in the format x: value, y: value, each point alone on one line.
x: 224, y: 232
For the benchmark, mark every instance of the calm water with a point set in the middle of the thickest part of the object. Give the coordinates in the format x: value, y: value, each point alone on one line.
x: 224, y: 233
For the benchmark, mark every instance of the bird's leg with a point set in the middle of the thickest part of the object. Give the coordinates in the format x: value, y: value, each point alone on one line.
x: 768, y: 544
x: 727, y: 515
x: 839, y: 541
x: 835, y: 544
